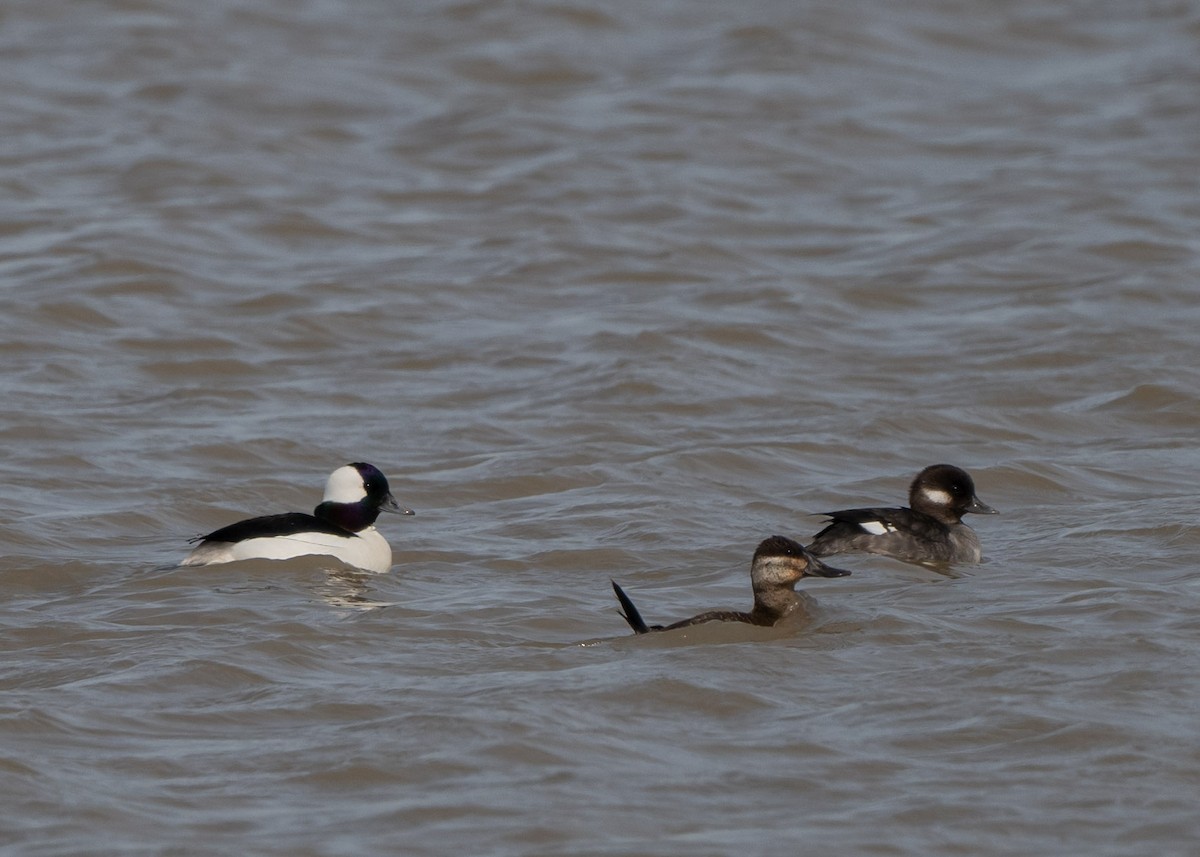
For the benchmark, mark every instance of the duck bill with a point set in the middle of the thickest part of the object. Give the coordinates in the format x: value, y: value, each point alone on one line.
x: 389, y: 504
x: 816, y: 568
x: 981, y: 508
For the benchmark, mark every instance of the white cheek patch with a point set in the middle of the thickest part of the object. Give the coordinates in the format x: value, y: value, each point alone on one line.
x: 877, y: 528
x: 937, y: 496
x: 345, y: 485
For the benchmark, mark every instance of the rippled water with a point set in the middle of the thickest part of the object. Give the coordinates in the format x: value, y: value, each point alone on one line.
x: 608, y: 291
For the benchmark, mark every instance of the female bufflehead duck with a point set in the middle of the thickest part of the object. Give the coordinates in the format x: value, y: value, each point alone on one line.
x: 342, y: 526
x: 778, y: 564
x: 931, y: 532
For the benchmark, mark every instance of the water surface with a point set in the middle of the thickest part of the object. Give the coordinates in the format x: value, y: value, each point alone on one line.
x: 608, y: 292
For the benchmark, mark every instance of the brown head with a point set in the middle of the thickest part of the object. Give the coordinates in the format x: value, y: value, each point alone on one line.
x: 780, y: 562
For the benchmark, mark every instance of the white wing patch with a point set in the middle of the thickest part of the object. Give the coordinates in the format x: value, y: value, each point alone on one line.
x: 877, y: 528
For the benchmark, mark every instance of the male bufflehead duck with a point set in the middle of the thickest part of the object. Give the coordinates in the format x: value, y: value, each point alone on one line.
x: 931, y: 532
x: 342, y: 526
x: 778, y: 564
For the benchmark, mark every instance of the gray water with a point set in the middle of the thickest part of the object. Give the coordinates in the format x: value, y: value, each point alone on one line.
x: 608, y: 291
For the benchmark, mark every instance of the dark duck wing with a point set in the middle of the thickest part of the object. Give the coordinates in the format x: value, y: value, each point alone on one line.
x: 884, y: 531
x: 271, y: 526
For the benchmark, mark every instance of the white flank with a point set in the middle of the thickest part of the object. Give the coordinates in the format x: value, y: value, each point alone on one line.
x: 877, y: 528
x: 367, y: 550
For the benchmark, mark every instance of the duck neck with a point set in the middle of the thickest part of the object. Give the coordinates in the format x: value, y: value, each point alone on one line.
x: 771, y: 605
x: 352, y: 517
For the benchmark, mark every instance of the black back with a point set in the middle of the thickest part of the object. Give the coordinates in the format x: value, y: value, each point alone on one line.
x: 639, y: 626
x: 902, y: 518
x: 721, y: 616
x: 287, y: 524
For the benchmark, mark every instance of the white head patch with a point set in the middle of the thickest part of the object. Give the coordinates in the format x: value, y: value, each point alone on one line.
x: 345, y: 485
x: 877, y: 528
x: 937, y: 496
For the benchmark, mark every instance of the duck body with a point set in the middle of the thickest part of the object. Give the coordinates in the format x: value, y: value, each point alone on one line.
x: 342, y: 526
x: 778, y: 564
x: 929, y: 531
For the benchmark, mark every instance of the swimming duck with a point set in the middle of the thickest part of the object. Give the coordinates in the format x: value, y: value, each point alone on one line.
x: 778, y: 564
x: 928, y: 531
x: 341, y: 526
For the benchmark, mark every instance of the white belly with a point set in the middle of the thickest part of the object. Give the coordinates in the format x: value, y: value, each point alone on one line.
x: 367, y: 550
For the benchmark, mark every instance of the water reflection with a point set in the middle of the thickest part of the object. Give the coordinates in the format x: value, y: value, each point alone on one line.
x: 348, y: 589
